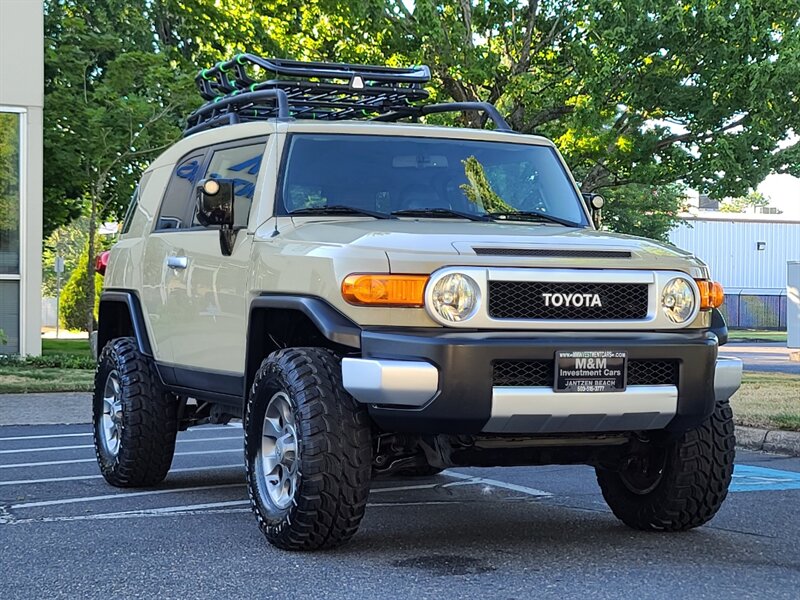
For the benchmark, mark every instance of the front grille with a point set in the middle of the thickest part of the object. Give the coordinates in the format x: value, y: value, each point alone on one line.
x: 526, y: 300
x: 541, y: 373
x: 652, y: 372
x: 552, y: 252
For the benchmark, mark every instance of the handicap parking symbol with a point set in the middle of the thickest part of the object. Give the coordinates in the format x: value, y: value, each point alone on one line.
x: 747, y: 478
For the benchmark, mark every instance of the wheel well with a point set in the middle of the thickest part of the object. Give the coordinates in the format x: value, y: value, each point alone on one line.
x: 271, y: 329
x: 114, y: 321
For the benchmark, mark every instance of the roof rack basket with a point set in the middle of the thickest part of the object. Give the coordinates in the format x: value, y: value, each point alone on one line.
x: 316, y: 90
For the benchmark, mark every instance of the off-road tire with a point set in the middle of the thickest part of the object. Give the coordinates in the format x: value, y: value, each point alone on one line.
x: 694, y: 481
x: 334, y: 449
x: 148, y: 421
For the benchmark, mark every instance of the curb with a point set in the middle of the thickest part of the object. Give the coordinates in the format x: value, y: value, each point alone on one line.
x: 768, y: 440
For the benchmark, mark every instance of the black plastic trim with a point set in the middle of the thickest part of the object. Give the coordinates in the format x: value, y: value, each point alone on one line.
x: 216, y: 386
x: 719, y: 326
x: 464, y: 359
x: 131, y: 300
x: 330, y: 322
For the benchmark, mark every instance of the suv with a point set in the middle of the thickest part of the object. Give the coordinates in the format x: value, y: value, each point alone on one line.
x: 375, y: 297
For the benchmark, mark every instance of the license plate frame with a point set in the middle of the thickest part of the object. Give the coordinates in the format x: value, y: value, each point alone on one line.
x: 605, y: 371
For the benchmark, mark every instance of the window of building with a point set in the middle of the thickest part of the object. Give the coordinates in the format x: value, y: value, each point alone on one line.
x: 10, y: 198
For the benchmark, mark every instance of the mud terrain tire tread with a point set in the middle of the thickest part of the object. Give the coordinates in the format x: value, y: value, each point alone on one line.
x: 335, y: 449
x: 149, y: 421
x: 694, y: 484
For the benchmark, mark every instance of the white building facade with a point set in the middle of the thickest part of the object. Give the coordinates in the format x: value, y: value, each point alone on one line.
x: 748, y: 254
x: 21, y: 149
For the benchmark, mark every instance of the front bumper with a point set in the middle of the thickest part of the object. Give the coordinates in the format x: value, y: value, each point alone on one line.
x: 434, y: 381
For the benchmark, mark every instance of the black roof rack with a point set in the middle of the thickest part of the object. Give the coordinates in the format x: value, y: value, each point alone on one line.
x: 316, y: 90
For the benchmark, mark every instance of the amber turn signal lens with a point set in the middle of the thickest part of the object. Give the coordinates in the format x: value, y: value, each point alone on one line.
x: 711, y: 294
x: 384, y: 290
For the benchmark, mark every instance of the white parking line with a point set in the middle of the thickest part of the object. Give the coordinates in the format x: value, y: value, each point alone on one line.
x: 500, y: 484
x: 426, y: 486
x: 199, y: 429
x: 89, y: 460
x: 122, y: 495
x: 231, y: 506
x: 85, y: 446
x: 84, y: 477
x: 43, y: 437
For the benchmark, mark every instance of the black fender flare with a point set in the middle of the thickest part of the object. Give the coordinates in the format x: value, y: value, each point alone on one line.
x: 330, y: 323
x: 121, y: 315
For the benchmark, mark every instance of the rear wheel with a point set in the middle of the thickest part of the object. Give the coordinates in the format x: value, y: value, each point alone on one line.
x: 308, y: 451
x: 135, y: 420
x: 675, y: 486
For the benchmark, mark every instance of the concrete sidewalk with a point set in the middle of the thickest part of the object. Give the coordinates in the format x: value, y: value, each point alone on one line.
x: 764, y: 356
x: 60, y: 408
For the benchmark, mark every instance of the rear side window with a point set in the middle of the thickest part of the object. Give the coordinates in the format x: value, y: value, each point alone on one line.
x: 241, y: 164
x: 180, y: 191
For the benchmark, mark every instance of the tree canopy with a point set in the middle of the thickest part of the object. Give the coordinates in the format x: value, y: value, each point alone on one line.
x: 637, y: 94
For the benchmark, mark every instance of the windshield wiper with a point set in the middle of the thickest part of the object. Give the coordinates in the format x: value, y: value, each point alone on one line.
x: 438, y: 212
x: 340, y: 209
x: 532, y: 215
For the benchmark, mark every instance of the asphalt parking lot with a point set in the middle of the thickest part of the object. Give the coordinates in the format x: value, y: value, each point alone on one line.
x: 492, y: 533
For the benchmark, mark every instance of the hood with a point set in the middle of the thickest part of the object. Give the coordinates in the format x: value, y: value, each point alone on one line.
x: 409, y: 241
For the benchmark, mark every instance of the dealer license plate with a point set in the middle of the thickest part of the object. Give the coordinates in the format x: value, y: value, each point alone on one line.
x: 587, y: 371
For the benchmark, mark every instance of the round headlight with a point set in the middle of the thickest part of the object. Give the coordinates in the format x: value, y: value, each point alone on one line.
x: 455, y: 297
x: 677, y: 300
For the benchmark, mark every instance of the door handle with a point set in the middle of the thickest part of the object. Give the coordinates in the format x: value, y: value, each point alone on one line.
x: 177, y: 262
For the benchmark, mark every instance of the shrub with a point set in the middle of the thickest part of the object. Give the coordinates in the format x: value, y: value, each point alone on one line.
x: 51, y: 361
x: 75, y: 297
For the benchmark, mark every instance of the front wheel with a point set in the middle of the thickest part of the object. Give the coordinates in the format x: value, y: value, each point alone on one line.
x: 675, y: 486
x: 308, y: 451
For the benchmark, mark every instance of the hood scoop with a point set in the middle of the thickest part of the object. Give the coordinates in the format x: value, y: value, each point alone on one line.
x: 551, y: 252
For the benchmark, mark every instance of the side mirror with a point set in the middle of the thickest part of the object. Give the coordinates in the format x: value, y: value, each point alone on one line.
x: 215, y: 202
x: 215, y: 208
x: 595, y: 203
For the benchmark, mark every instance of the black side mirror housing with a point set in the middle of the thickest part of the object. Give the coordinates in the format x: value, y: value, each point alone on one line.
x: 215, y: 202
x: 215, y: 209
x: 595, y: 203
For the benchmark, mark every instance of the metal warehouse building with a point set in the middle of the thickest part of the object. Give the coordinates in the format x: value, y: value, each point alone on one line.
x: 748, y: 254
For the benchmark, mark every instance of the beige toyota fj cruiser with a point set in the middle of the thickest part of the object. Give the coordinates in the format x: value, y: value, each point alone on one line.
x: 373, y: 297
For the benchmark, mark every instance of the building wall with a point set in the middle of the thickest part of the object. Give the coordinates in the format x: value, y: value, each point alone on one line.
x: 21, y: 105
x: 730, y: 248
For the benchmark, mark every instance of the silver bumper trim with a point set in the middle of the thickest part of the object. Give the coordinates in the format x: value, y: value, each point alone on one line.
x: 727, y: 377
x: 541, y: 410
x: 390, y: 382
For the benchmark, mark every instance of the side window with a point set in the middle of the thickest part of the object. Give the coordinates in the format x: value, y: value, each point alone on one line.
x: 137, y: 192
x: 241, y: 164
x: 180, y: 191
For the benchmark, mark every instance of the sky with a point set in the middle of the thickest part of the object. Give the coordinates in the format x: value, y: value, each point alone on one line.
x: 784, y: 193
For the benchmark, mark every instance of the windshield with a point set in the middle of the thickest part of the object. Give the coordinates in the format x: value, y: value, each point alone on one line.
x: 412, y: 176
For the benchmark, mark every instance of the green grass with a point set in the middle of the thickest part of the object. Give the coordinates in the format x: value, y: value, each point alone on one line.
x: 71, y: 347
x: 768, y: 400
x: 25, y: 379
x: 756, y: 335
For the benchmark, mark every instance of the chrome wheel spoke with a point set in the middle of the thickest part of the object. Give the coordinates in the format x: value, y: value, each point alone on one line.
x: 111, y: 422
x: 277, y: 459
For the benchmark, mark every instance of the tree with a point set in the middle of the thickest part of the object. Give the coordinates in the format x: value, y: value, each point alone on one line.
x: 646, y: 91
x: 643, y: 210
x: 80, y: 296
x: 742, y: 203
x: 111, y: 103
